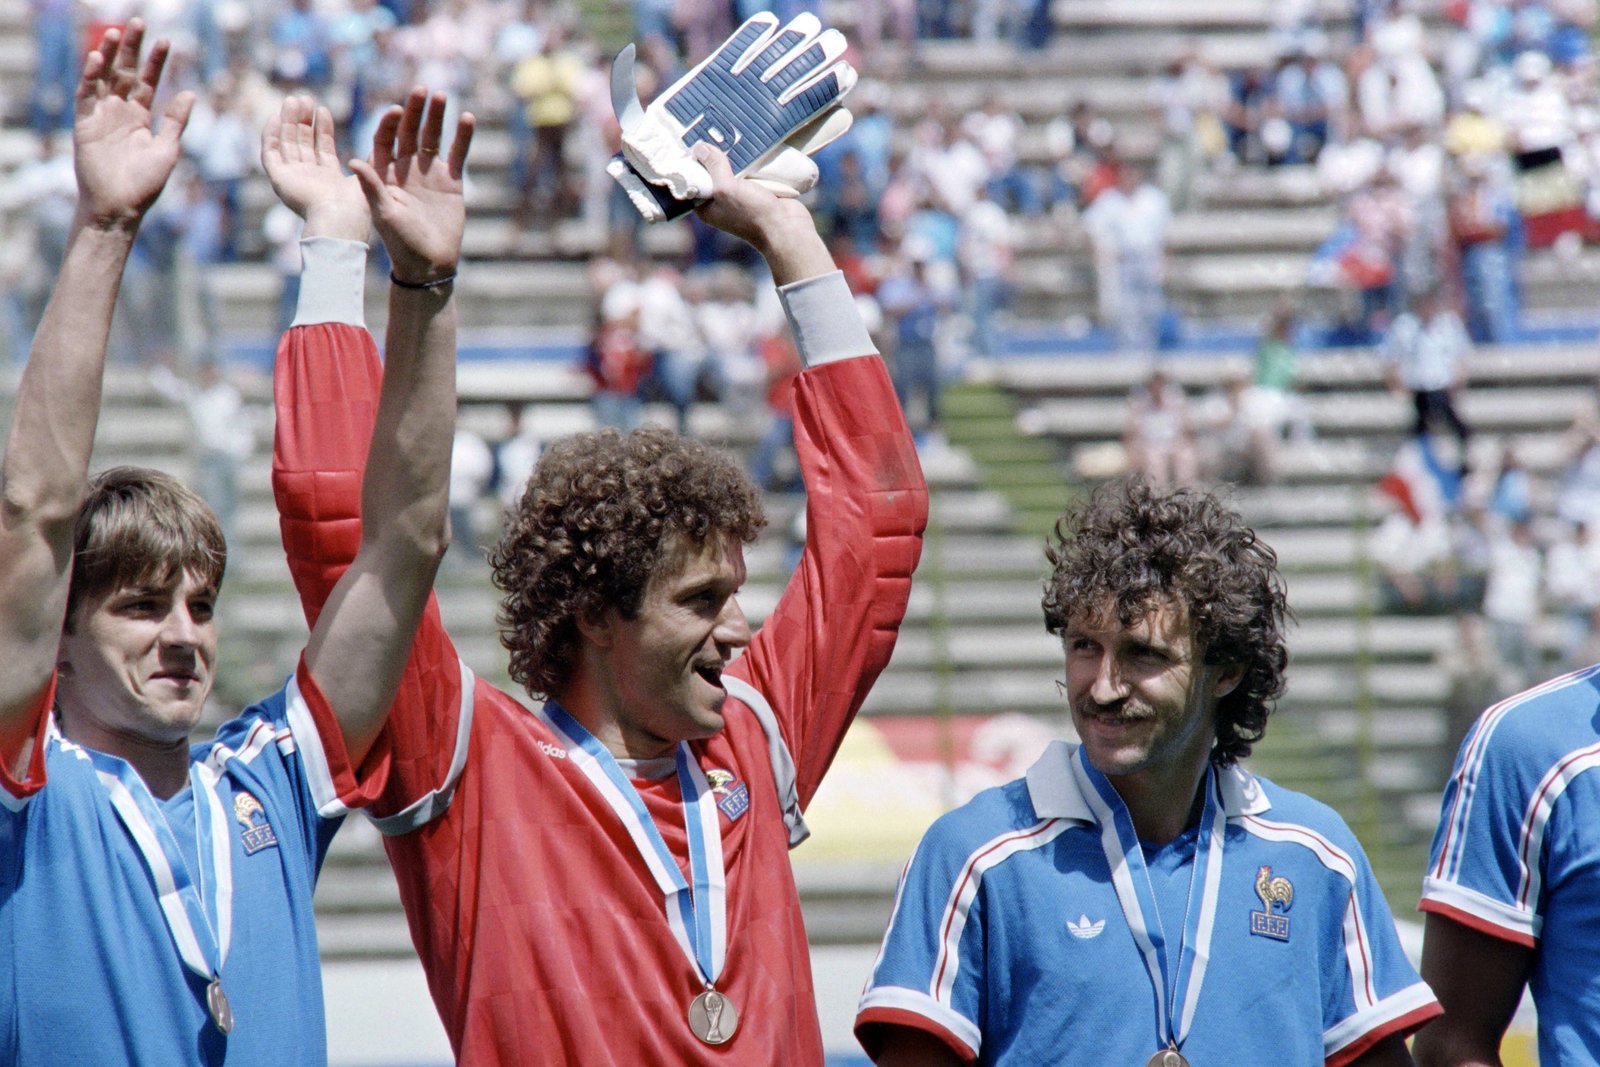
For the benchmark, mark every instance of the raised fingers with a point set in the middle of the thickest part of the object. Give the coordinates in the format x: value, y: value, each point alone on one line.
x: 406, y: 143
x: 299, y: 136
x: 144, y: 91
x: 383, y: 138
x: 176, y: 116
x: 458, y: 148
x: 126, y: 60
x: 322, y: 130
x: 432, y: 133
x: 94, y: 74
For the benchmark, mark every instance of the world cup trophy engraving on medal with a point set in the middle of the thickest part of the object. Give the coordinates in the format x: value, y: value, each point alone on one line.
x: 712, y: 1017
x: 217, y: 1003
x: 1168, y: 1057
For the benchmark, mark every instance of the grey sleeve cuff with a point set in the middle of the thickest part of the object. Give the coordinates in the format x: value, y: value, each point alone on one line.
x: 333, y: 283
x: 823, y: 317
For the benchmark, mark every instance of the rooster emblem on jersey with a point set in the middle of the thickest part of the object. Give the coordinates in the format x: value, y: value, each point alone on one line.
x: 733, y: 798
x: 1277, y: 894
x: 248, y: 813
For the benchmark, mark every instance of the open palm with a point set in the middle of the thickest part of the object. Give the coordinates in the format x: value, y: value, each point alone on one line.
x: 301, y: 159
x: 122, y: 163
x: 416, y: 196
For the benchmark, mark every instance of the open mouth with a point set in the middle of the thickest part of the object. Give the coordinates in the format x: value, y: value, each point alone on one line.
x: 712, y: 674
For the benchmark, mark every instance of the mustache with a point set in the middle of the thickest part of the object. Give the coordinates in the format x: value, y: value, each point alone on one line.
x: 1123, y: 710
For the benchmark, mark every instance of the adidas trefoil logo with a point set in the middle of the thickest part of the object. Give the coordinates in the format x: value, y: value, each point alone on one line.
x: 1085, y: 930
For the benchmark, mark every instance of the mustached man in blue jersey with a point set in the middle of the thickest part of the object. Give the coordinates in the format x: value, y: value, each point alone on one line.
x: 155, y: 896
x: 1139, y: 897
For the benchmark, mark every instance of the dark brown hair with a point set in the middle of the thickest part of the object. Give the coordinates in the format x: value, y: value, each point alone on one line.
x: 597, y: 520
x: 1132, y: 547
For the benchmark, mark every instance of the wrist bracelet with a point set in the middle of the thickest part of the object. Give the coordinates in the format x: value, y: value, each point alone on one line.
x: 437, y: 283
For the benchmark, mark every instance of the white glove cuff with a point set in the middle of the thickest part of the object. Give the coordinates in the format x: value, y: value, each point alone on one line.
x: 822, y: 314
x: 638, y: 193
x: 655, y: 148
x: 334, y: 282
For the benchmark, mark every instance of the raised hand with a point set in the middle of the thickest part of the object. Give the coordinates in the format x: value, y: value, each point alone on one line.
x: 302, y: 162
x: 780, y: 228
x: 415, y: 196
x: 122, y: 162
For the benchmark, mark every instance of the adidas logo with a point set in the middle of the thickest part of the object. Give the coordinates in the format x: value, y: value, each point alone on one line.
x: 1085, y: 930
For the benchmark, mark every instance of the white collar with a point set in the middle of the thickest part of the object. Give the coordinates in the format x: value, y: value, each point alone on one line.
x: 1053, y: 788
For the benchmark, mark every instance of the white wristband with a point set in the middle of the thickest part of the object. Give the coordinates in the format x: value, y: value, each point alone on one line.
x: 333, y: 283
x: 822, y: 314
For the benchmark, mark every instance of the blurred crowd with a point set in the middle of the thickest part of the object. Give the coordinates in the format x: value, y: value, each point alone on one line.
x: 1449, y: 155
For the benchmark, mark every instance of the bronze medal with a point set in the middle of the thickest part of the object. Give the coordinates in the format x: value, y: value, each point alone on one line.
x: 1168, y: 1057
x: 217, y: 1002
x: 712, y: 1017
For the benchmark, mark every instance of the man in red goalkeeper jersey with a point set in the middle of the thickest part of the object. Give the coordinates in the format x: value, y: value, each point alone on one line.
x: 601, y: 875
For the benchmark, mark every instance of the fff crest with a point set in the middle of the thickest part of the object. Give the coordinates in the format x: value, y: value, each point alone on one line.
x: 733, y: 799
x: 248, y: 813
x: 1277, y: 894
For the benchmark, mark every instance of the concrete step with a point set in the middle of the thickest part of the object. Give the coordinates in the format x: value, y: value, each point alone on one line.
x: 1337, y: 371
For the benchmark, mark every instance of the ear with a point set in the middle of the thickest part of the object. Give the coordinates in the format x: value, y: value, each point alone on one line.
x: 599, y: 629
x: 1226, y: 679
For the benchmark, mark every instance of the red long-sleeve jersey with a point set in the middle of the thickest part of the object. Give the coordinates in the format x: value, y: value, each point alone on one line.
x: 542, y: 932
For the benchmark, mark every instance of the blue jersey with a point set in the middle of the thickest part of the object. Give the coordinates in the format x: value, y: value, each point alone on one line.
x: 1516, y: 855
x: 89, y: 970
x: 1008, y: 941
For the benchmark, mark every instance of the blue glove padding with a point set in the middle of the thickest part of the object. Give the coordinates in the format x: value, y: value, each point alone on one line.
x: 762, y: 86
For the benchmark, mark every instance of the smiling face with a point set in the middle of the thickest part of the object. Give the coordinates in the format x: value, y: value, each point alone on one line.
x: 659, y: 676
x: 1143, y: 702
x: 137, y: 665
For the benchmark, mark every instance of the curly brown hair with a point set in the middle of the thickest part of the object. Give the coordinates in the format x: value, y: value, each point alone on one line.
x: 138, y: 526
x: 600, y: 516
x: 1134, y: 547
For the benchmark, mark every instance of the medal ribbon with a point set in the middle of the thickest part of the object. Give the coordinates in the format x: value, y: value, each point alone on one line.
x: 199, y: 912
x: 697, y: 912
x: 1135, y: 892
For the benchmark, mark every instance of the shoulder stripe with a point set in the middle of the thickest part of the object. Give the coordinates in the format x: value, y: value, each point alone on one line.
x: 1358, y: 955
x: 1549, y: 790
x: 262, y: 734
x: 1452, y: 846
x: 953, y: 922
x: 1329, y: 854
x: 894, y: 914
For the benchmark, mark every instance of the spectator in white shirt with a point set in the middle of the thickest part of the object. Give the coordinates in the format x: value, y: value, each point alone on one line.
x: 1425, y: 349
x: 1127, y: 227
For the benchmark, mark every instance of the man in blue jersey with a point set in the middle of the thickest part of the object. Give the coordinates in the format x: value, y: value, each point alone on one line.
x: 155, y: 897
x: 1512, y: 893
x: 1139, y: 897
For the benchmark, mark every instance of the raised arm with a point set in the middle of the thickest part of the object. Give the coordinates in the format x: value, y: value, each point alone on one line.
x: 122, y: 164
x: 832, y: 632
x: 361, y: 638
